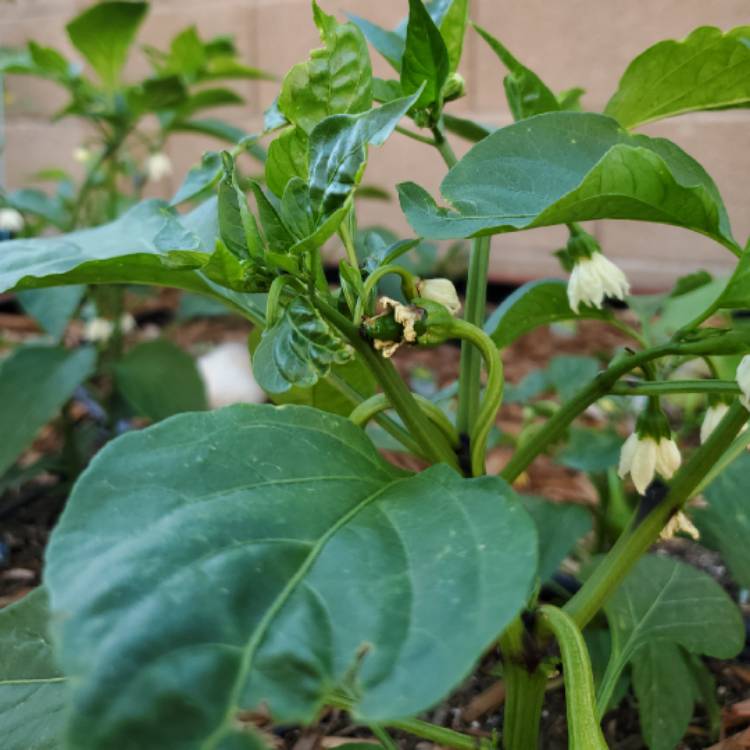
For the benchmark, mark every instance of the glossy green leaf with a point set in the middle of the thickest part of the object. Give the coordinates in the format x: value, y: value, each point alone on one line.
x: 158, y: 379
x: 276, y: 234
x: 35, y: 383
x: 337, y: 79
x: 388, y: 43
x: 665, y: 688
x: 32, y: 688
x: 527, y: 94
x: 737, y: 292
x: 453, y: 30
x: 536, y: 303
x: 293, y: 561
x: 707, y: 70
x: 298, y: 349
x: 562, y: 167
x: 425, y: 65
x: 559, y: 527
x: 52, y: 308
x: 664, y: 601
x: 200, y: 178
x: 725, y: 522
x: 237, y: 226
x: 287, y: 158
x: 103, y: 35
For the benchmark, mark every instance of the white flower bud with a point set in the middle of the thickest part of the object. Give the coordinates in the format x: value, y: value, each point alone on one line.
x: 442, y: 291
x: 98, y: 330
x: 127, y: 323
x: 643, y: 457
x: 714, y: 415
x: 593, y: 279
x: 81, y: 154
x: 158, y: 166
x: 11, y: 220
x: 743, y: 380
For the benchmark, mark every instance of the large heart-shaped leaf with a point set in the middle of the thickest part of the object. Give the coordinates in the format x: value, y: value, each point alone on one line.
x: 32, y: 688
x: 534, y: 304
x: 103, y: 35
x: 337, y: 79
x: 707, y: 70
x: 268, y: 555
x: 563, y: 167
x: 35, y: 383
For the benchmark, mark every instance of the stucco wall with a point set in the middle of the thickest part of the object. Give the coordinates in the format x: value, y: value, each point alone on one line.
x: 568, y: 42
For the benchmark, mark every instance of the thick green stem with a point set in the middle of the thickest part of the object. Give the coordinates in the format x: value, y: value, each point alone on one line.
x: 474, y: 310
x: 647, y: 523
x: 524, y: 692
x: 584, y: 732
x: 668, y: 387
x: 434, y: 444
x: 442, y: 145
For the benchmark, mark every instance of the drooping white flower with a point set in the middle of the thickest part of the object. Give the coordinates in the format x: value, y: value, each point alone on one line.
x: 158, y: 166
x: 442, y: 291
x: 643, y: 457
x: 680, y: 522
x: 98, y: 330
x: 11, y: 220
x: 743, y: 380
x: 714, y: 414
x: 594, y: 278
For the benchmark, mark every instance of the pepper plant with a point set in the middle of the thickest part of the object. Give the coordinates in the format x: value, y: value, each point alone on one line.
x: 268, y: 558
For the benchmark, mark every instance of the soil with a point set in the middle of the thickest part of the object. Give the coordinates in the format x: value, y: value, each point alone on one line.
x: 29, y: 511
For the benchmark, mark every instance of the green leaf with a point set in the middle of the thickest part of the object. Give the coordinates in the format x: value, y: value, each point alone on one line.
x: 665, y: 601
x: 469, y: 129
x: 563, y: 167
x: 707, y: 70
x: 35, y: 382
x: 287, y: 158
x: 37, y: 202
x: 206, y: 99
x: 277, y: 235
x: 590, y: 450
x: 725, y: 522
x: 527, y: 94
x: 216, y: 129
x: 425, y: 63
x: 559, y: 526
x: 337, y: 79
x: 298, y: 349
x: 567, y: 372
x: 453, y: 31
x: 293, y: 562
x: 52, y: 308
x: 536, y: 303
x: 665, y: 688
x: 737, y: 292
x: 388, y: 43
x: 187, y: 53
x: 32, y: 688
x: 158, y: 379
x: 201, y: 177
x: 103, y: 35
x: 237, y: 226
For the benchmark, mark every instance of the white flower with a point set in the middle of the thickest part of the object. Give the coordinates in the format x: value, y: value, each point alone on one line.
x: 643, y: 457
x: 98, y: 329
x: 743, y: 380
x: 127, y: 323
x: 81, y: 154
x: 11, y: 220
x: 714, y: 415
x: 593, y: 279
x: 680, y: 522
x: 442, y: 291
x: 158, y: 166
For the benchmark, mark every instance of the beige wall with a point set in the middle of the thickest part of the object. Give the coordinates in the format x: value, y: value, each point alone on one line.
x: 568, y: 42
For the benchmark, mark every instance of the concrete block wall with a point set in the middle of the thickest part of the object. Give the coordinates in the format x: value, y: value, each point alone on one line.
x: 569, y: 43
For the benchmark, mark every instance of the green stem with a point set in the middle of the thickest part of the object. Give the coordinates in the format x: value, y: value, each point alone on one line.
x: 434, y: 445
x: 383, y: 737
x: 440, y: 735
x: 524, y: 692
x: 368, y: 409
x: 483, y: 345
x: 442, y: 145
x: 474, y: 311
x: 667, y: 387
x: 584, y: 732
x: 415, y: 136
x: 346, y: 238
x: 643, y: 531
